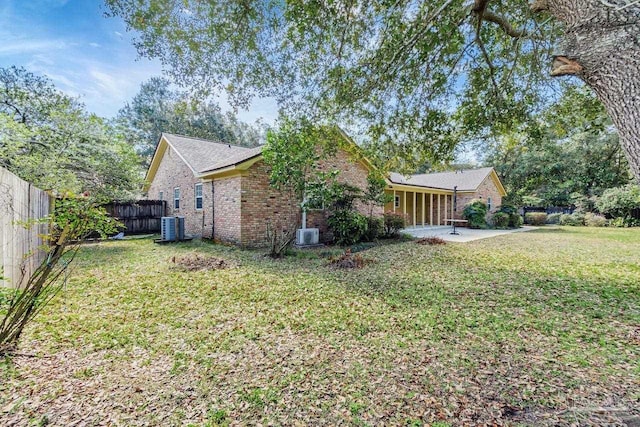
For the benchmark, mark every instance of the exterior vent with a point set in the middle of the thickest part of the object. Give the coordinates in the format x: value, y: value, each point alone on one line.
x: 168, y: 228
x: 307, y: 236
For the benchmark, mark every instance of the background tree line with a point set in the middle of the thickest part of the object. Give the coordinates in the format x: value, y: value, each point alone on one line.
x: 49, y: 138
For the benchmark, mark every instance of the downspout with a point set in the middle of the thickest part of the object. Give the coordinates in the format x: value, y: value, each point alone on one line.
x: 213, y: 210
x: 304, y: 213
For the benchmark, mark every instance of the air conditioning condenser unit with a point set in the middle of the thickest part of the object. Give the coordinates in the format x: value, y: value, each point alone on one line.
x: 307, y: 236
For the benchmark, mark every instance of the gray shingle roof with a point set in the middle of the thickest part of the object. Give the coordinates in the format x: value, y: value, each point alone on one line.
x: 465, y: 180
x: 203, y: 155
x: 235, y: 159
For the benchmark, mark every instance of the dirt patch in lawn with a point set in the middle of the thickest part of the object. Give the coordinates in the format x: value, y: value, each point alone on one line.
x: 198, y: 262
x: 433, y: 240
x: 349, y: 260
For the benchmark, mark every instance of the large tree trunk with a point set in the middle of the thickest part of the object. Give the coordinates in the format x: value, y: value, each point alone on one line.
x: 602, y: 47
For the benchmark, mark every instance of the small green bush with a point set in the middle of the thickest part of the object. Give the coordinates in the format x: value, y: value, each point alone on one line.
x: 535, y: 218
x: 393, y: 223
x: 508, y: 209
x: 375, y: 228
x: 575, y: 219
x: 475, y: 212
x: 501, y: 220
x: 595, y: 220
x: 554, y: 218
x: 515, y: 220
x: 619, y: 202
x: 624, y: 222
x: 348, y: 226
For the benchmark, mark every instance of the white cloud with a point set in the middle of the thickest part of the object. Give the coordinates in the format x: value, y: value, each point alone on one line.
x: 112, y: 87
x: 92, y: 44
x: 18, y: 46
x: 118, y: 33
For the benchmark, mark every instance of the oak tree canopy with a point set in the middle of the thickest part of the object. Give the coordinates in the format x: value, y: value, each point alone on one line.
x: 398, y: 70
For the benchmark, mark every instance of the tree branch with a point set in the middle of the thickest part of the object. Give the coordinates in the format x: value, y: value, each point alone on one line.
x: 539, y: 6
x: 483, y: 14
x: 563, y: 66
x: 505, y: 25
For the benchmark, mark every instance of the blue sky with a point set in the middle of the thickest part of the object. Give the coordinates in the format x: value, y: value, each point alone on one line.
x: 84, y: 53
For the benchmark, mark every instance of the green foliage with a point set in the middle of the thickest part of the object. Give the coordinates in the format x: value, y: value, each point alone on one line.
x: 56, y: 145
x: 158, y: 108
x: 508, y: 209
x: 619, y: 202
x: 393, y: 223
x: 73, y: 219
x: 370, y: 64
x: 411, y: 298
x: 375, y: 194
x: 549, y: 162
x: 554, y: 218
x: 343, y: 196
x: 594, y: 220
x: 500, y: 220
x: 475, y: 212
x: 535, y: 218
x: 515, y: 220
x: 348, y: 226
x: 625, y: 222
x: 574, y: 219
x: 293, y: 151
x: 375, y: 229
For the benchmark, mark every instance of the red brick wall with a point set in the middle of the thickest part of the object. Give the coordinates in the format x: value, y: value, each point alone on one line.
x: 352, y: 173
x: 171, y: 173
x: 485, y: 190
x: 237, y: 209
x: 227, y: 209
x: 262, y: 203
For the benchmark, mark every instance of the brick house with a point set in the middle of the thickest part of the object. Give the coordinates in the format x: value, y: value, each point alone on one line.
x: 427, y: 199
x: 223, y: 191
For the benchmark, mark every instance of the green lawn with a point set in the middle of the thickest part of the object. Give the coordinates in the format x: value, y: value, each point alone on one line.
x: 524, y: 329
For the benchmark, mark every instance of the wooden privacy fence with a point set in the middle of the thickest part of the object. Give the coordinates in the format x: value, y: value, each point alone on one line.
x: 139, y: 217
x: 20, y: 247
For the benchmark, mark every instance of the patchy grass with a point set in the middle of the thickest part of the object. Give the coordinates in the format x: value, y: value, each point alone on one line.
x: 537, y: 328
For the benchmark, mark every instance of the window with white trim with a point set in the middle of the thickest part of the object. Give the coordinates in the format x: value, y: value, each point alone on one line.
x: 396, y: 202
x: 198, y: 196
x: 176, y: 198
x: 488, y: 203
x: 161, y: 195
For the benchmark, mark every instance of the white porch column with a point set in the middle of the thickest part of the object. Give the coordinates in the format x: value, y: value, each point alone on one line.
x: 394, y: 201
x: 452, y: 212
x: 439, y: 216
x: 446, y: 198
x: 404, y: 203
x: 415, y: 206
x: 431, y: 209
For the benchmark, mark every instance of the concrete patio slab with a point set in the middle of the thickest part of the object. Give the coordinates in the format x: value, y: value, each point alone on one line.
x: 465, y: 234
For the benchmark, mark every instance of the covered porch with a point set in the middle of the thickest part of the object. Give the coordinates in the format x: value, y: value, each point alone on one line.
x: 422, y: 207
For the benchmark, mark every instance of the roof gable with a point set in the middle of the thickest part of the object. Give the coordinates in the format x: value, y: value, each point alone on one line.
x: 201, y: 154
x: 464, y: 180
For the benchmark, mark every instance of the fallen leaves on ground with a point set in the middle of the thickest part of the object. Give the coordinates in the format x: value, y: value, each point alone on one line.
x: 198, y: 262
x: 432, y: 240
x: 349, y: 260
x: 537, y: 329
